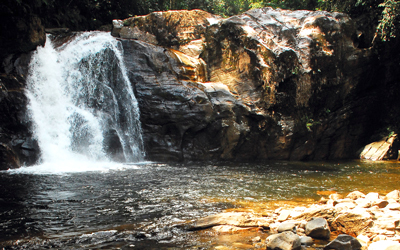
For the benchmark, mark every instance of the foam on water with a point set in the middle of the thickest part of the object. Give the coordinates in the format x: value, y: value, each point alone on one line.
x: 73, y: 166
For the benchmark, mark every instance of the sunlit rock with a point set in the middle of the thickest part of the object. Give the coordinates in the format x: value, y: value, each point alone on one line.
x: 287, y: 226
x: 283, y: 241
x: 355, y: 195
x: 384, y: 245
x: 279, y: 69
x: 377, y: 150
x: 232, y: 219
x: 352, y: 223
x: 395, y: 195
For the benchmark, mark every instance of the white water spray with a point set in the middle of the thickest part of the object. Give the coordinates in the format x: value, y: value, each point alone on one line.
x: 82, y: 104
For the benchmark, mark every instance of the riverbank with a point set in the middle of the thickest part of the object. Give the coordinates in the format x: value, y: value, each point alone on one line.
x: 372, y: 221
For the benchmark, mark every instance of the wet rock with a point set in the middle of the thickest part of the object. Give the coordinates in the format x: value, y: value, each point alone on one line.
x: 18, y: 146
x: 343, y: 242
x: 385, y: 245
x: 283, y: 241
x: 8, y: 158
x: 318, y: 228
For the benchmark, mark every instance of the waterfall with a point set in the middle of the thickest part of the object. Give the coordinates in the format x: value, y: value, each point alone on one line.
x: 81, y: 102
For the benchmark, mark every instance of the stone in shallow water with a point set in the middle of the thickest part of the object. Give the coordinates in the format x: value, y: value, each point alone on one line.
x: 343, y: 242
x: 283, y: 241
x: 318, y: 228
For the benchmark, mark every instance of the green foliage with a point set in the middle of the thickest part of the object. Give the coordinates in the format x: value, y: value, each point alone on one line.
x: 390, y: 19
x: 90, y: 14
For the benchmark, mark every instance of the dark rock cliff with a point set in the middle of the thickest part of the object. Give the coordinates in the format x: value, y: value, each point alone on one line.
x: 267, y: 84
x: 21, y: 32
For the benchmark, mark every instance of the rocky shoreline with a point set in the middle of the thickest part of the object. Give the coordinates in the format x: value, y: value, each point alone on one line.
x: 356, y: 221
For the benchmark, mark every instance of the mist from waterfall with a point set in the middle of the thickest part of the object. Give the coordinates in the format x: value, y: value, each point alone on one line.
x: 82, y: 104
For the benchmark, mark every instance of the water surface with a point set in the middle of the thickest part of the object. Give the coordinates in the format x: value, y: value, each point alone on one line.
x: 139, y: 206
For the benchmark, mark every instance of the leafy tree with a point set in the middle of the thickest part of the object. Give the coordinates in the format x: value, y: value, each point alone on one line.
x: 390, y: 19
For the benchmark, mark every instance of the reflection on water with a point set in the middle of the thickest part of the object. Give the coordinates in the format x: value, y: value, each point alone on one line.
x: 139, y: 207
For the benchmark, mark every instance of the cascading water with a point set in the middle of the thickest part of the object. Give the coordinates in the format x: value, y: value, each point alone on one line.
x: 82, y: 103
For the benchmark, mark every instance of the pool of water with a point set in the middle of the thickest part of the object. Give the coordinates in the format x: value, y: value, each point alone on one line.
x: 141, y: 206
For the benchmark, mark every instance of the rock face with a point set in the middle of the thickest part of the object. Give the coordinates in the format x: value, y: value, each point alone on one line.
x: 17, y: 147
x: 267, y: 84
x: 21, y: 32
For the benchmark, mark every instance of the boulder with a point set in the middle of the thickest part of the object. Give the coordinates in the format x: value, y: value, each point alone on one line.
x: 343, y: 242
x: 283, y: 241
x: 351, y: 223
x: 378, y: 150
x: 318, y: 228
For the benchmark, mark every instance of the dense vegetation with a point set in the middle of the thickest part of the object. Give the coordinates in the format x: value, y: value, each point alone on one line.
x: 91, y: 14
